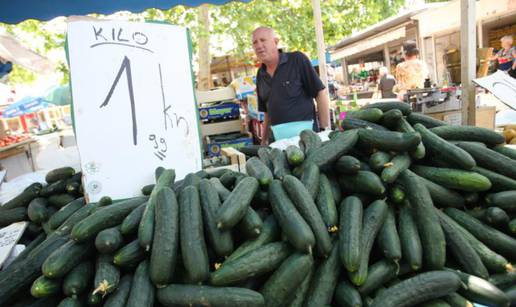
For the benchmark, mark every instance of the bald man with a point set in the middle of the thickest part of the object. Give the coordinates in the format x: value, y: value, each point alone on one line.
x: 286, y: 85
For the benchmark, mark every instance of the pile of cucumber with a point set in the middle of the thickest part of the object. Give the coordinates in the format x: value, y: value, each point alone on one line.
x: 396, y: 209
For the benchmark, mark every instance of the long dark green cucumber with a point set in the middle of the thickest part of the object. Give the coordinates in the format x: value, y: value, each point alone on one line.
x: 132, y: 220
x: 222, y: 191
x: 391, y: 118
x: 405, y: 108
x: 308, y: 210
x: 295, y: 156
x: 347, y: 295
x: 493, y: 261
x: 286, y: 279
x: 299, y: 296
x: 329, y: 153
x: 257, y: 169
x: 166, y: 178
x: 310, y: 178
x: 60, y: 216
x: 264, y: 155
x: 493, y: 238
x: 462, y: 250
x: 405, y: 126
x: 309, y: 140
x: 235, y: 206
x: 491, y: 159
x: 221, y: 241
x: 166, y: 235
x: 418, y: 289
x: 425, y: 215
x: 453, y: 154
x: 374, y: 218
x: 129, y: 255
x: 326, y: 203
x: 324, y: 280
x: 389, y: 140
x: 78, y: 280
x: 142, y: 290
x: 12, y: 216
x: 412, y: 250
x: 107, y: 275
x: 378, y: 160
x: 280, y: 163
x: 388, y: 238
x: 351, y: 212
x: 109, y: 240
x: 193, y: 245
x: 363, y: 182
x: 498, y: 182
x: 481, y: 291
x: 64, y: 259
x: 506, y: 151
x: 469, y: 133
x: 371, y: 114
x: 425, y: 120
x: 120, y: 296
x: 270, y: 233
x: 441, y: 196
x: 503, y: 280
x: 379, y: 273
x: 191, y: 295
x: 454, y: 178
x: 251, y: 224
x: 394, y: 168
x: 259, y: 261
x: 44, y: 286
x: 505, y: 200
x: 23, y: 199
x: 347, y: 165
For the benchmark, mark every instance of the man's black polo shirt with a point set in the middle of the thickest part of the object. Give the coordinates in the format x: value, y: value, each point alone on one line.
x: 288, y: 95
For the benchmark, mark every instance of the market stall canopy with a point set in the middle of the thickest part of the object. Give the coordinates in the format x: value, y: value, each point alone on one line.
x: 26, y: 105
x: 18, y: 11
x: 12, y: 50
x: 59, y: 95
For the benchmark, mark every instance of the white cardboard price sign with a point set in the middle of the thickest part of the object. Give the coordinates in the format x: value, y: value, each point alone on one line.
x: 134, y: 104
x: 8, y: 237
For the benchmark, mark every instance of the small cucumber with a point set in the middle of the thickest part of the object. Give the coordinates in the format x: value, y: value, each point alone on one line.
x: 132, y: 220
x: 257, y: 169
x: 107, y: 276
x: 504, y: 200
x: 44, y: 286
x: 388, y: 238
x: 280, y: 163
x: 129, y: 255
x: 109, y: 240
x: 347, y: 165
x: 347, y: 295
x: 351, y: 212
x: 65, y: 258
x: 391, y: 118
x: 326, y: 203
x: 78, y: 280
x: 363, y: 182
x: 412, y: 250
x: 380, y: 273
x: 295, y: 155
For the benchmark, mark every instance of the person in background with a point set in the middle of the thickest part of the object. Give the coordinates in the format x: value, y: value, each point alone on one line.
x: 355, y: 75
x: 412, y: 72
x: 386, y: 84
x: 506, y: 55
x: 287, y: 84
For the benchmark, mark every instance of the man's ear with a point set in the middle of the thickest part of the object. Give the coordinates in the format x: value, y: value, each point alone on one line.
x: 276, y: 40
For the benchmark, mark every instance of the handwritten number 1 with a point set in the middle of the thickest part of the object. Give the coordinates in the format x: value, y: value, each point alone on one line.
x: 126, y: 65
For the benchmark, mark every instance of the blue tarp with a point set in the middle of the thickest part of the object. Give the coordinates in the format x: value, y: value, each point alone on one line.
x: 15, y: 11
x: 25, y: 106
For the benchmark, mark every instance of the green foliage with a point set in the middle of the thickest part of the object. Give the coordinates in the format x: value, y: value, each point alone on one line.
x: 20, y: 75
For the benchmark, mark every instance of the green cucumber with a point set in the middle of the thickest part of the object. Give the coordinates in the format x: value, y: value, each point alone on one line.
x: 235, y: 206
x: 388, y: 238
x: 60, y: 200
x: 107, y: 217
x: 511, y: 294
x: 286, y: 279
x: 191, y: 180
x: 454, y: 178
x: 405, y: 108
x: 394, y: 168
x: 191, y: 295
x: 425, y: 216
x: 147, y: 190
x: 378, y: 161
x: 391, y: 118
x: 309, y: 140
x: 412, y: 250
x: 166, y: 178
x: 256, y: 262
x: 497, y: 217
x: 229, y: 178
x: 363, y: 182
x: 396, y: 194
x: 294, y: 227
x: 503, y: 280
x: 481, y: 291
x: 120, y: 296
x: 512, y: 226
x: 280, y: 163
x: 220, y: 188
x: 37, y: 210
x: 380, y: 273
x: 308, y: 210
x: 469, y: 133
x: 58, y: 187
x: 299, y: 296
x: 264, y: 155
x: 389, y: 140
x: 326, y: 203
x: 347, y: 295
x: 374, y: 218
x: 109, y: 240
x: 44, y: 286
x: 435, y: 303
x: 64, y: 213
x: 373, y: 115
x: 504, y: 200
x: 142, y: 290
x: 491, y: 159
x: 498, y: 182
x: 78, y: 280
x: 65, y: 258
x: 166, y: 234
x: 132, y: 220
x: 425, y: 120
x: 295, y: 155
x: 418, y: 289
x: 462, y: 250
x: 351, y: 212
x: 454, y: 154
x: 251, y: 224
x: 94, y: 299
x: 30, y: 247
x: 129, y: 255
x: 355, y: 123
x: 220, y: 241
x: 59, y: 174
x: 457, y: 300
x: 493, y: 238
x: 70, y: 302
x: 506, y: 151
x: 441, y: 196
x: 405, y: 126
x: 107, y: 276
x: 347, y: 165
x: 324, y: 280
x: 310, y: 178
x: 257, y: 169
x: 329, y: 153
x: 335, y: 187
x: 23, y: 199
x: 270, y: 232
x: 193, y: 245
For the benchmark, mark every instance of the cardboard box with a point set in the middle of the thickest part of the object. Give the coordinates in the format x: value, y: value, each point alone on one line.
x: 229, y: 126
x: 485, y: 117
x: 244, y: 86
x: 215, y: 147
x: 227, y: 110
x: 252, y: 107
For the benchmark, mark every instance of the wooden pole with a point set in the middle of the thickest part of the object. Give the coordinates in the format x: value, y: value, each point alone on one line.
x: 345, y: 75
x: 321, y: 48
x: 387, y: 58
x: 468, y: 50
x: 204, y: 81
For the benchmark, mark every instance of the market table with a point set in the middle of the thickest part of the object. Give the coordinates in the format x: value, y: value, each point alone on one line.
x: 15, y: 149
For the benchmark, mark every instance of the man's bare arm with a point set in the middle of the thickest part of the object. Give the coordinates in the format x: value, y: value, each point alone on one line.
x: 265, y: 136
x: 323, y: 108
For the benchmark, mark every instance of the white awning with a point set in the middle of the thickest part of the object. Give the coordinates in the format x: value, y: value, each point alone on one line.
x: 369, y: 43
x: 12, y: 50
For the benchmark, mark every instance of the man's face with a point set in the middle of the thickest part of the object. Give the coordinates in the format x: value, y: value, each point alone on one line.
x: 265, y: 45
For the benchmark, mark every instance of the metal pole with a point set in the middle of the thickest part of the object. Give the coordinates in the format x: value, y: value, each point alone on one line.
x: 468, y: 50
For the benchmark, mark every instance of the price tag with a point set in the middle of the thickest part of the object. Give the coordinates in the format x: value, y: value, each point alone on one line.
x: 8, y: 237
x: 133, y: 104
